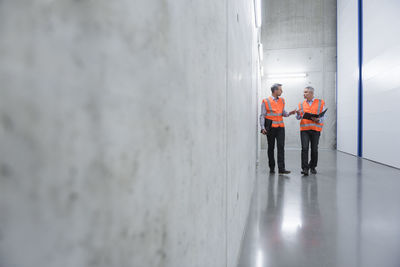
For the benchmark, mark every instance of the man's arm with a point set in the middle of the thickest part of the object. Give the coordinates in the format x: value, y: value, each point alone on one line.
x: 262, y: 116
x: 287, y: 114
x: 322, y: 118
x: 299, y: 116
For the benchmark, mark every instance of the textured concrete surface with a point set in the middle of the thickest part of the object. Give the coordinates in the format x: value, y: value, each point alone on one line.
x: 241, y: 105
x: 300, y: 37
x: 128, y: 132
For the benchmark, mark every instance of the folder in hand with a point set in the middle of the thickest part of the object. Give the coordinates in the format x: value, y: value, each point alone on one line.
x: 308, y: 116
x: 267, y: 124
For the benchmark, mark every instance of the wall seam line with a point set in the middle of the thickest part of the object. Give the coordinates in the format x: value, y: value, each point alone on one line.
x: 360, y: 84
x: 226, y: 129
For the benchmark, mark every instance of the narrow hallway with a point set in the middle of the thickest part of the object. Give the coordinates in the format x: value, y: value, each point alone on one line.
x: 131, y: 133
x: 345, y: 215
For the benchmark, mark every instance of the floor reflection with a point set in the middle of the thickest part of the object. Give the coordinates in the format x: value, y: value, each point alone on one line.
x: 345, y: 216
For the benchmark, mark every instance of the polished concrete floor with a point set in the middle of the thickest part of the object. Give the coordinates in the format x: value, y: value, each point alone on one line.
x: 347, y: 215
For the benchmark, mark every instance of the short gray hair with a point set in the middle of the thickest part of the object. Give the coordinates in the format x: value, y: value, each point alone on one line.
x: 310, y: 88
x: 275, y: 87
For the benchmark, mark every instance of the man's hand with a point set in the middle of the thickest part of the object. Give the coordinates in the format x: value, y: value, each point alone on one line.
x: 264, y: 132
x: 292, y: 112
x: 298, y: 112
x: 315, y: 119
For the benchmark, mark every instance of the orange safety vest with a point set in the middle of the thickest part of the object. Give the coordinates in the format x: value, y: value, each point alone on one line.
x: 274, y: 111
x: 316, y: 108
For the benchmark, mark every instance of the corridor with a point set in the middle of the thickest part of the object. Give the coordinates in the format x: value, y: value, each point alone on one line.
x: 345, y: 215
x: 132, y: 133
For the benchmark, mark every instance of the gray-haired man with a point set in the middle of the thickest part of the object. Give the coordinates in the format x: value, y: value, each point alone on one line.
x: 310, y: 129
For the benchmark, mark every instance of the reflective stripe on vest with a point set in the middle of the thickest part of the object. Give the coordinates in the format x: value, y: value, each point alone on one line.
x: 270, y: 108
x: 309, y: 124
x: 275, y: 114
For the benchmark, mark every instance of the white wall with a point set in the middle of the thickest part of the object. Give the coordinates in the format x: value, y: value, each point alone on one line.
x: 381, y: 81
x: 381, y: 68
x: 300, y: 37
x: 127, y: 132
x: 347, y: 76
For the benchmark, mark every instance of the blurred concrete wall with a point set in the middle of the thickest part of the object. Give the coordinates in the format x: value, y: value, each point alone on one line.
x: 300, y: 37
x: 127, y: 131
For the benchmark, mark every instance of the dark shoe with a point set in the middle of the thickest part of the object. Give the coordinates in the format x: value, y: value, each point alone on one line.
x: 271, y: 171
x: 304, y: 172
x: 313, y: 171
x: 284, y: 172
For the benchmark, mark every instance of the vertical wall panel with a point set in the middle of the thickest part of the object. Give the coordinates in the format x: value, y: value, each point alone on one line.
x: 381, y: 81
x: 347, y: 76
x: 241, y: 104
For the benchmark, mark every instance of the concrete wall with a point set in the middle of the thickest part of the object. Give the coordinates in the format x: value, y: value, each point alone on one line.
x: 128, y: 132
x: 241, y: 127
x: 300, y: 37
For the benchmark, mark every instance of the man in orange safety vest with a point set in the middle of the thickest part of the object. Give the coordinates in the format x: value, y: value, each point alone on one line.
x: 271, y: 122
x: 310, y: 129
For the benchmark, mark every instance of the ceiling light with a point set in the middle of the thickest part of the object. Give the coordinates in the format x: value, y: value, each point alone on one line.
x: 286, y: 75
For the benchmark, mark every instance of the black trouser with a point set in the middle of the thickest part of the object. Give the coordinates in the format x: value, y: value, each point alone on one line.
x: 279, y: 135
x: 307, y: 137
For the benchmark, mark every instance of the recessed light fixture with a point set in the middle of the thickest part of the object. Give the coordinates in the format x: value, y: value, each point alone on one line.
x: 260, y: 51
x: 286, y: 75
x: 257, y: 7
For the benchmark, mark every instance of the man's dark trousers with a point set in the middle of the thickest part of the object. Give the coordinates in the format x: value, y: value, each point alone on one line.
x: 307, y: 137
x: 279, y: 135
